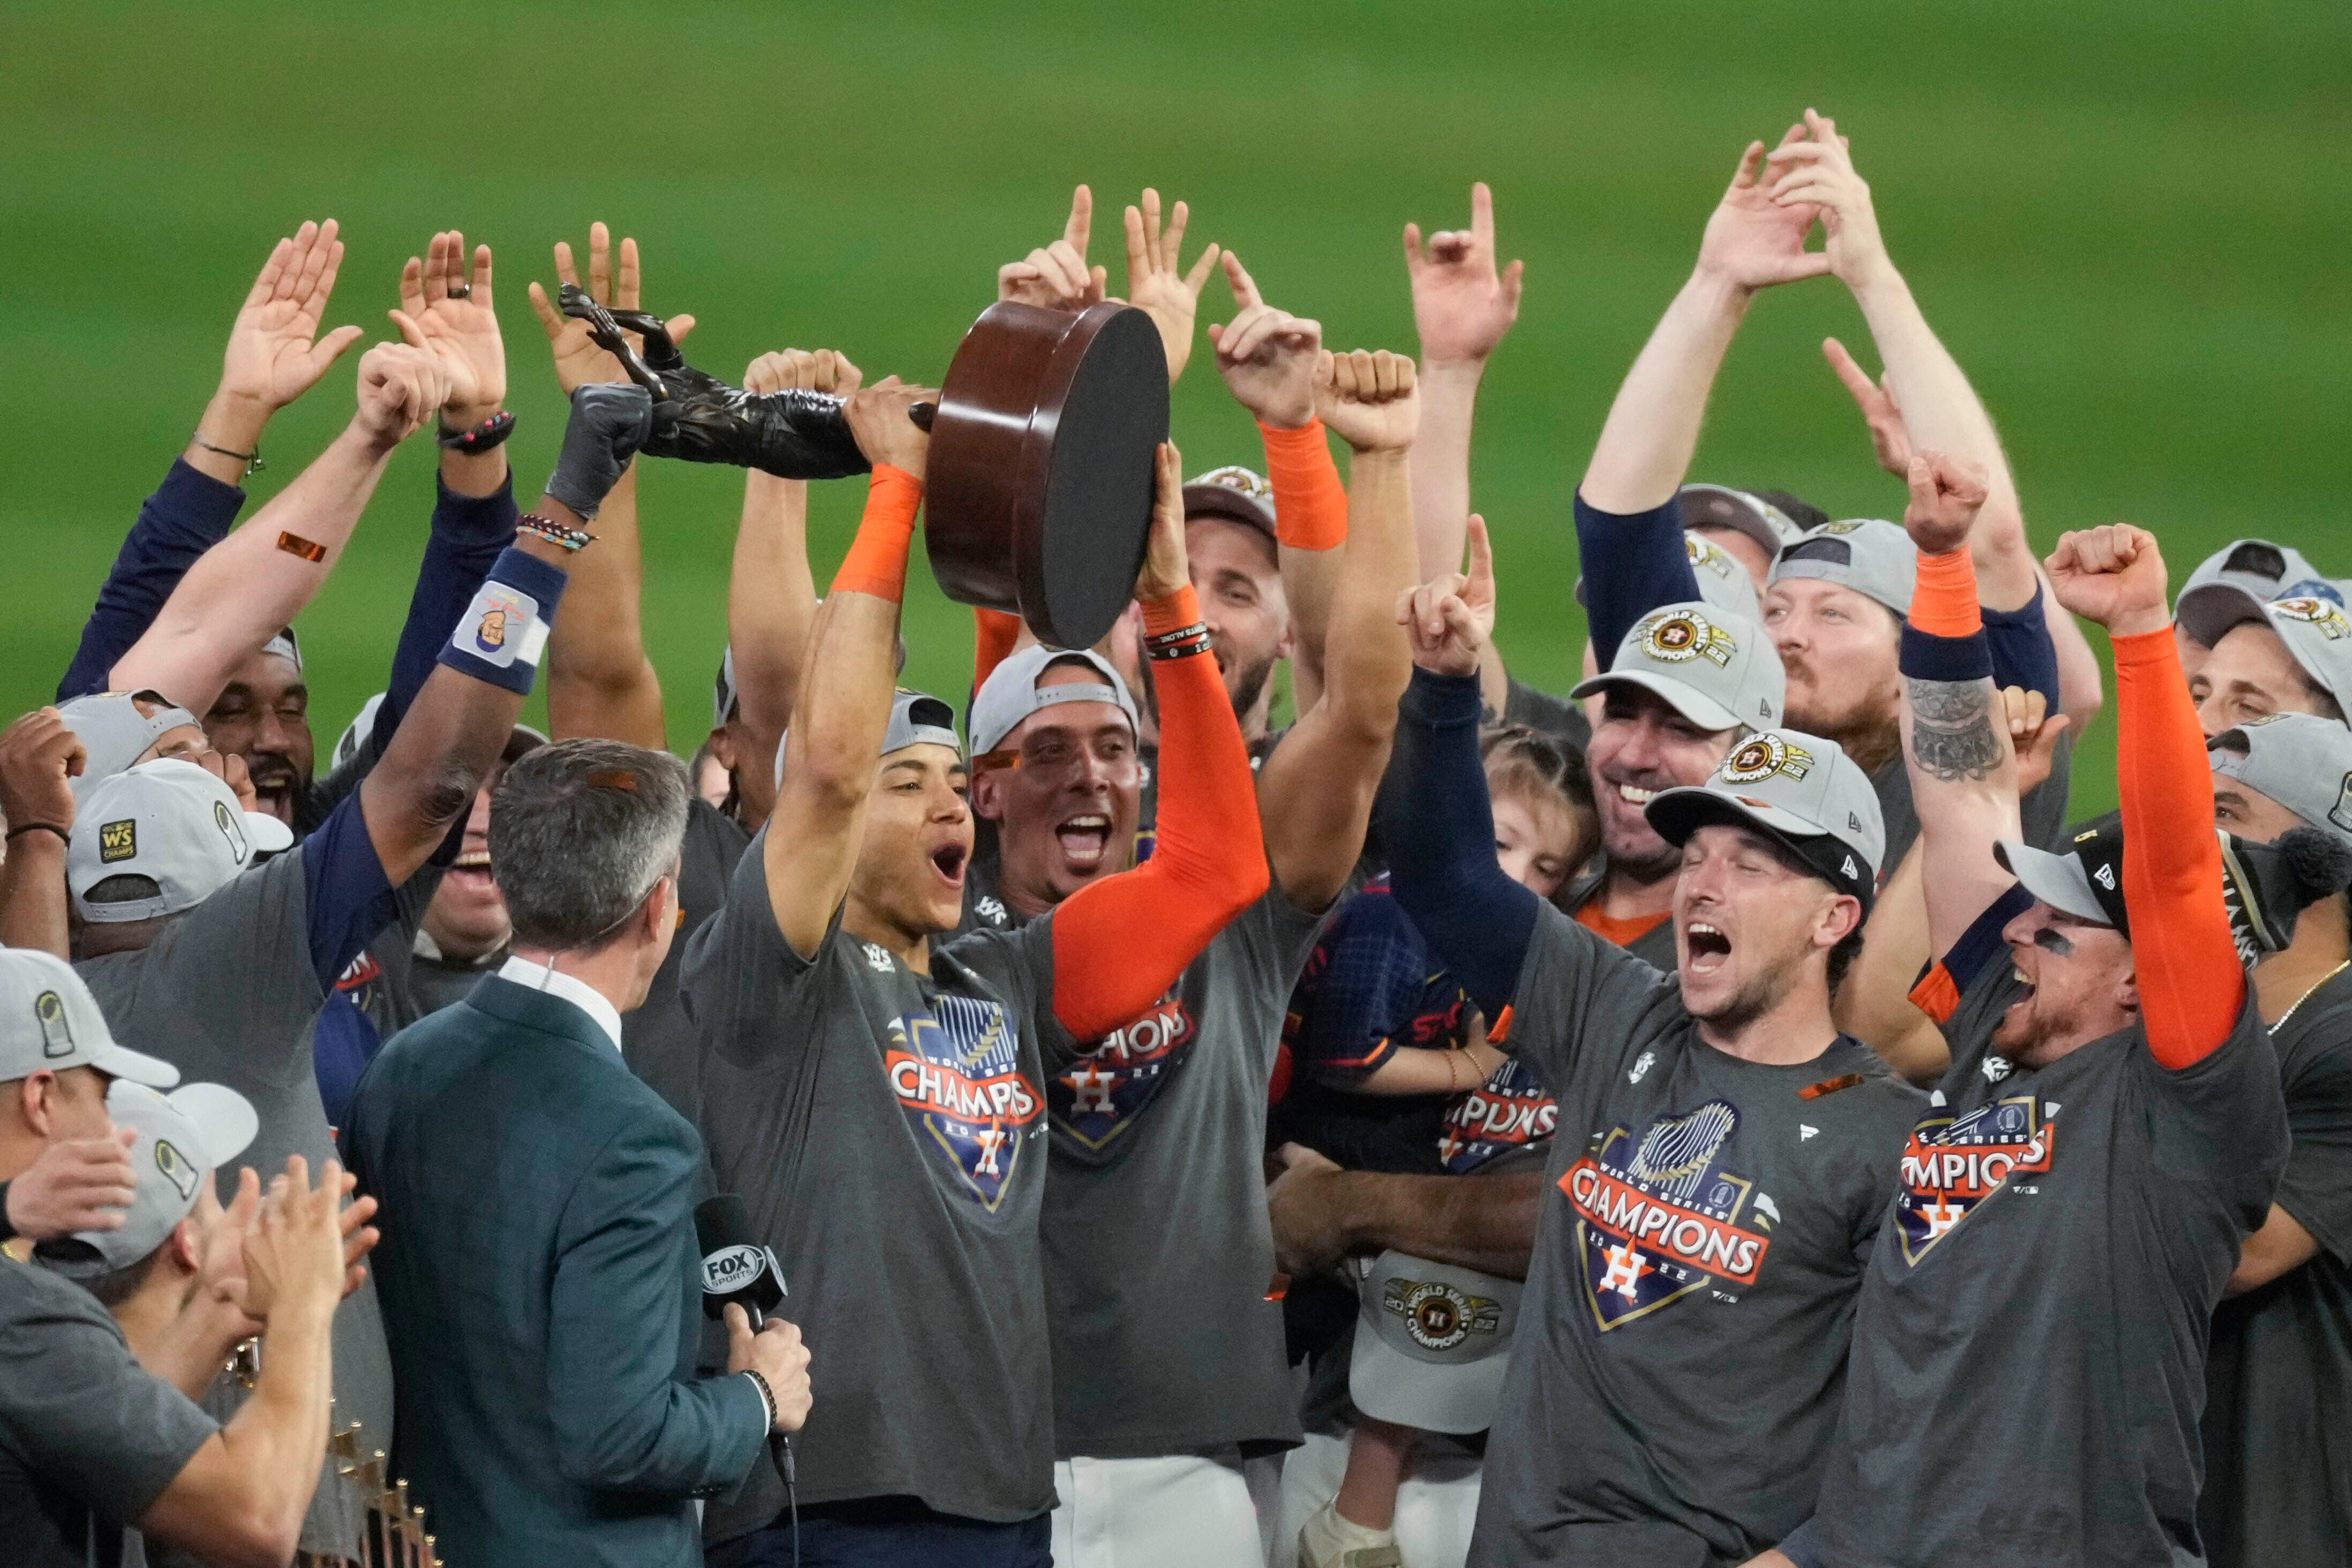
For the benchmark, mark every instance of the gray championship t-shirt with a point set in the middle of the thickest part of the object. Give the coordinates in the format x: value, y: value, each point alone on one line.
x: 228, y: 993
x: 1159, y: 1252
x: 2278, y: 1380
x: 888, y: 1132
x: 1682, y: 1345
x: 89, y: 1439
x: 658, y: 1041
x: 2029, y: 1358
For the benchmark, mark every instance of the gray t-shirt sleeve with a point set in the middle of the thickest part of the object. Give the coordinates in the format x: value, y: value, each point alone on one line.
x: 243, y: 956
x: 738, y: 963
x: 2221, y: 1121
x: 2317, y: 1187
x: 1579, y: 994
x: 84, y: 1415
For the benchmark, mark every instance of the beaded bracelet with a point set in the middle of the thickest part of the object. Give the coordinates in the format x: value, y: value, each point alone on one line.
x: 1181, y: 643
x: 554, y: 532
x: 767, y: 1395
x: 490, y: 433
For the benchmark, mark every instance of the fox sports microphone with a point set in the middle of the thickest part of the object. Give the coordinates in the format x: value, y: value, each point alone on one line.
x: 738, y: 1269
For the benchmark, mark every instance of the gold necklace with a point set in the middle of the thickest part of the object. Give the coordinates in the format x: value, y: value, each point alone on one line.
x: 2307, y: 995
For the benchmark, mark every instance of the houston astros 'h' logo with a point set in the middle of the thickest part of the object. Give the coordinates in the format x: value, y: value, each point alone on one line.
x: 1438, y: 1316
x: 1673, y: 637
x: 1657, y: 1217
x: 1762, y: 756
x: 2314, y: 612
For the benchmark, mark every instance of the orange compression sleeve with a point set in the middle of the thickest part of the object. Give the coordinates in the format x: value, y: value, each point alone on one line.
x: 1310, y: 504
x: 877, y: 562
x: 1944, y: 600
x: 1119, y: 943
x: 2191, y: 985
x: 994, y: 636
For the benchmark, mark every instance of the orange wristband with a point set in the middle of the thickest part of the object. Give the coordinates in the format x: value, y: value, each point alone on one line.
x: 877, y: 562
x: 1943, y: 597
x: 1310, y: 504
x: 1172, y: 613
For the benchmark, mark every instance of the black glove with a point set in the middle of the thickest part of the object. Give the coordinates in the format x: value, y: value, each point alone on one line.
x: 697, y: 417
x: 609, y: 424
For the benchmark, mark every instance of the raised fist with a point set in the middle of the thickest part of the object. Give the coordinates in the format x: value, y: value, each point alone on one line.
x: 39, y: 758
x: 609, y: 423
x: 400, y: 387
x: 1946, y: 495
x: 2112, y: 575
x: 1368, y: 398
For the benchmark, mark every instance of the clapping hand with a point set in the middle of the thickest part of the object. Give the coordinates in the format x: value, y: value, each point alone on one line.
x: 1451, y: 618
x: 1461, y: 305
x: 448, y: 311
x: 2112, y: 575
x: 1268, y: 357
x: 275, y: 353
x: 578, y: 360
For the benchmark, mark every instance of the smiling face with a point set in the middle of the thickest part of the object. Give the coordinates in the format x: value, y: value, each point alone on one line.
x: 1067, y: 807
x: 2250, y: 674
x: 918, y: 844
x: 2081, y: 987
x: 468, y: 918
x: 1238, y: 578
x: 1749, y: 928
x: 1640, y: 746
x: 1839, y: 648
x: 263, y: 715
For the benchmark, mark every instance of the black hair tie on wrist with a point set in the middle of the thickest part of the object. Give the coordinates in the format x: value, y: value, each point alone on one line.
x: 490, y: 433
x: 63, y: 837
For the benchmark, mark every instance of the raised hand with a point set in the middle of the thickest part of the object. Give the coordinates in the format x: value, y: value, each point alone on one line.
x: 446, y: 309
x: 39, y: 758
x: 400, y: 387
x: 1814, y: 174
x: 275, y: 353
x: 1268, y: 357
x: 578, y: 360
x: 1451, y: 618
x: 1461, y: 305
x: 1056, y: 277
x: 1166, y: 567
x: 82, y: 1184
x: 1155, y: 285
x: 803, y: 370
x: 879, y: 418
x: 1753, y: 240
x: 1367, y: 398
x: 1946, y: 493
x: 294, y: 1249
x: 1889, y: 437
x: 2113, y: 574
x: 2034, y: 732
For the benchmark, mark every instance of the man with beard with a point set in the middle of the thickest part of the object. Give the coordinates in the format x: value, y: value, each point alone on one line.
x: 1723, y: 1154
x: 1158, y: 1125
x: 2109, y: 1136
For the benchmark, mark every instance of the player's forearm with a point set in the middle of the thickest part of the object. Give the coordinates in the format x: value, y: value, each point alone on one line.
x: 33, y: 892
x: 279, y: 1436
x: 1368, y: 659
x: 256, y: 579
x: 770, y: 604
x: 1487, y: 1223
x: 1310, y: 513
x: 1441, y: 462
x: 599, y: 680
x: 1651, y: 432
x: 1943, y: 413
x: 190, y: 513
x: 189, y: 1351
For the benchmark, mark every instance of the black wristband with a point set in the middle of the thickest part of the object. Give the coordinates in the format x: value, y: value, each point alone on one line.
x: 489, y: 434
x: 64, y: 838
x: 1181, y: 643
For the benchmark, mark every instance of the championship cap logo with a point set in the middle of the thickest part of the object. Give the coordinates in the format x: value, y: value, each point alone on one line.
x: 231, y: 829
x: 1839, y: 529
x: 117, y: 840
x: 1762, y: 756
x: 1673, y: 637
x: 1707, y: 557
x: 1438, y: 1316
x: 57, y: 1035
x: 176, y: 1167
x: 2315, y: 612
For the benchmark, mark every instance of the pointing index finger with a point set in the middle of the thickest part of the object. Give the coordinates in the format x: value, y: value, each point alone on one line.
x: 1482, y: 216
x: 1082, y: 219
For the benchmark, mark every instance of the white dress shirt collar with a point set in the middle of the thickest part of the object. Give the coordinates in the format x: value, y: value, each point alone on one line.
x: 579, y: 992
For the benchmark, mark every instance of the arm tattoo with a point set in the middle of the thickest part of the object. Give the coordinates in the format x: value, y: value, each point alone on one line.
x: 1952, y: 734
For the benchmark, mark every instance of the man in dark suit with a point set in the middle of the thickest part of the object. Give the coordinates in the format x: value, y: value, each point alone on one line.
x: 540, y: 1278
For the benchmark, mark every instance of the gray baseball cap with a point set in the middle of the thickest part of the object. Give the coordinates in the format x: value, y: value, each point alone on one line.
x: 1239, y: 494
x: 1432, y: 1343
x: 1870, y: 555
x: 1801, y: 790
x: 917, y: 719
x: 1010, y: 692
x: 115, y: 734
x: 1720, y: 506
x: 48, y: 1020
x: 1715, y: 667
x: 2234, y: 583
x: 183, y: 1138
x: 172, y: 823
x: 285, y: 646
x: 2301, y: 761
x: 2319, y: 635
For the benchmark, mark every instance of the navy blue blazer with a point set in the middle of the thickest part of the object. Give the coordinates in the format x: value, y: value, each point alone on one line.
x: 542, y: 1291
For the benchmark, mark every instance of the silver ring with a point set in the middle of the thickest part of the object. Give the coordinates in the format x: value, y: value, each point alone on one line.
x: 461, y: 290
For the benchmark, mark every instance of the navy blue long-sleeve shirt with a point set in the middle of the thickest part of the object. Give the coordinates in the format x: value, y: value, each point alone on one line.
x: 188, y: 514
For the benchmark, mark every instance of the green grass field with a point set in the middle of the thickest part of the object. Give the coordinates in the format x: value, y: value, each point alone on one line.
x: 2130, y: 221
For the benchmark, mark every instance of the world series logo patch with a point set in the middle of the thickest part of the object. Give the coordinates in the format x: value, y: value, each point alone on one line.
x: 1674, y: 636
x: 1656, y: 1219
x: 1439, y: 1317
x: 957, y: 1073
x: 2314, y: 612
x: 1762, y: 756
x: 1953, y: 1164
x: 117, y: 840
x: 1105, y: 1091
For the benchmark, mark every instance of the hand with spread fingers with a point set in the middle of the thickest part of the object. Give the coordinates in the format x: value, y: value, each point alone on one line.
x: 1462, y: 306
x: 1367, y: 398
x: 1755, y: 240
x: 2113, y: 574
x: 275, y: 353
x: 1056, y: 276
x: 1156, y: 285
x: 578, y: 360
x: 1813, y: 175
x: 1451, y: 618
x: 1268, y: 358
x: 1889, y: 437
x: 447, y: 311
x: 1946, y: 493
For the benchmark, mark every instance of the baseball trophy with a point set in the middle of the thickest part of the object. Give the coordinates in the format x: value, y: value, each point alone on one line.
x: 1040, y: 474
